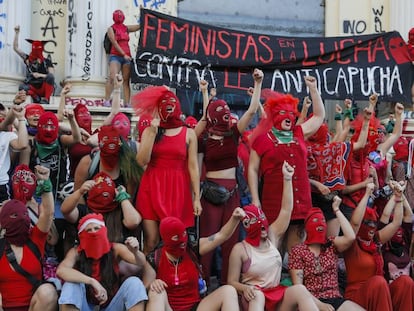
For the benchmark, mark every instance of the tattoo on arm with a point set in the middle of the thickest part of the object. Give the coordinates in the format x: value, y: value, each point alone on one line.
x: 211, y: 237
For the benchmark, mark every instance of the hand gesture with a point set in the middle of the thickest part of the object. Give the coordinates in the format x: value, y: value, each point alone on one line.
x: 213, y: 92
x: 258, y: 75
x: 238, y: 213
x: 348, y: 103
x: 367, y: 113
x: 249, y: 292
x: 100, y: 292
x: 197, y: 208
x: 18, y: 111
x: 336, y: 202
x: 338, y: 109
x: 86, y: 186
x: 158, y: 286
x: 373, y: 99
x: 287, y: 171
x: 42, y: 172
x: 250, y: 91
x: 306, y: 103
x: 17, y: 28
x: 20, y: 97
x: 68, y: 113
x: 132, y: 243
x: 118, y: 81
x: 310, y: 82
x: 399, y: 109
x: 203, y: 85
x: 66, y: 89
x: 369, y: 189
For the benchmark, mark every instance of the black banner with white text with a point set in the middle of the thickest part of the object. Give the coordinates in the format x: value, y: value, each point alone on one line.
x: 179, y: 53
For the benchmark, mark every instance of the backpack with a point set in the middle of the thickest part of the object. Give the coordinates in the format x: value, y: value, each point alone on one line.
x: 107, y: 43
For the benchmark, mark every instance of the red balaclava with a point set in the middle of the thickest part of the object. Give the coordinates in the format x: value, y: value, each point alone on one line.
x: 101, y: 197
x: 118, y: 17
x: 398, y: 237
x: 321, y: 136
x: 23, y: 183
x: 315, y: 226
x: 122, y: 124
x: 95, y: 244
x: 219, y: 113
x: 254, y: 223
x: 142, y: 124
x: 372, y: 140
x: 169, y: 110
x: 280, y: 107
x: 15, y: 220
x: 369, y: 223
x: 37, y: 50
x: 34, y: 110
x: 174, y: 236
x: 109, y: 145
x: 83, y: 117
x: 47, y: 128
x: 191, y: 122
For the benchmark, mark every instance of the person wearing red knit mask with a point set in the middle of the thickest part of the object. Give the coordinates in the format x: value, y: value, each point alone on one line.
x: 170, y: 185
x: 120, y: 57
x: 364, y: 263
x: 255, y: 265
x: 24, y: 243
x: 40, y: 78
x: 314, y: 263
x: 91, y: 271
x: 275, y: 139
x: 176, y: 280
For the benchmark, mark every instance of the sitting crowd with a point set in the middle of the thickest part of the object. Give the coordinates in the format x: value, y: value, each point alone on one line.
x: 98, y: 219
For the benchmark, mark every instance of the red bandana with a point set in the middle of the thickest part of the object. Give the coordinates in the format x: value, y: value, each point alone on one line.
x: 174, y: 235
x: 47, y: 128
x: 23, y: 183
x: 15, y: 220
x: 37, y: 50
x: 110, y: 146
x: 315, y: 226
x: 95, y: 244
x: 254, y: 222
x: 34, y: 110
x: 101, y: 197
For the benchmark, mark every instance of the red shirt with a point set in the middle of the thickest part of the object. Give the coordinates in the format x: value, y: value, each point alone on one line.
x: 16, y: 290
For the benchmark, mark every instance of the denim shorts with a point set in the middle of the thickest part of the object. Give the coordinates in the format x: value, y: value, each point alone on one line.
x: 131, y: 292
x: 119, y: 59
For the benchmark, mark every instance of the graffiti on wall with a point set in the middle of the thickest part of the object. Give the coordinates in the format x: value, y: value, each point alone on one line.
x: 358, y: 27
x: 2, y: 23
x: 88, y: 44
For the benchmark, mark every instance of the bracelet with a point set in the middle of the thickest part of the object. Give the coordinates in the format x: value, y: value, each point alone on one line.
x: 43, y: 186
x: 338, y: 116
x: 397, y: 201
x: 348, y: 114
x: 337, y: 210
x: 122, y: 196
x: 287, y: 179
x: 22, y: 120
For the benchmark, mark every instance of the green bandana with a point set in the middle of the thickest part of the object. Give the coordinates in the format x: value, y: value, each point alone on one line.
x: 45, y: 150
x: 284, y: 136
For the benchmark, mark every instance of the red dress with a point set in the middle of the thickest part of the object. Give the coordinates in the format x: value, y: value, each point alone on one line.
x: 15, y: 289
x: 165, y: 188
x: 272, y: 154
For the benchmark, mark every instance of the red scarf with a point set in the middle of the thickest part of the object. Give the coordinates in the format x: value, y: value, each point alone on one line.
x: 95, y: 244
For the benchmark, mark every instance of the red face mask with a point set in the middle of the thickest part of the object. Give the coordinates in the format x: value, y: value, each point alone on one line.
x: 169, y: 111
x: 101, y: 197
x: 254, y: 222
x: 34, y: 110
x: 23, y: 183
x: 368, y: 226
x: 118, y: 17
x: 174, y: 236
x: 83, y: 117
x: 47, y: 128
x: 285, y: 112
x: 14, y: 219
x: 122, y: 124
x: 219, y: 115
x: 37, y: 50
x: 398, y: 237
x: 315, y: 226
x: 95, y: 244
x: 109, y: 145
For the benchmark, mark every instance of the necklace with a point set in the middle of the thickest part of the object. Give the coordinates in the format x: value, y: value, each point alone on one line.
x: 175, y: 263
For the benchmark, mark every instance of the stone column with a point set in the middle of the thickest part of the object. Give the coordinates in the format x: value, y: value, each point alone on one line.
x: 86, y: 62
x: 12, y: 69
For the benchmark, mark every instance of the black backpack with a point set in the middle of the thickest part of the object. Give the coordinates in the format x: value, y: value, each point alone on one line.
x: 107, y: 43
